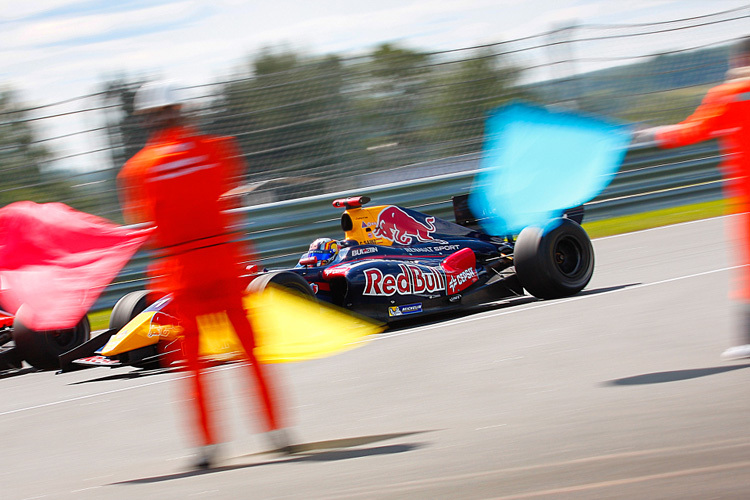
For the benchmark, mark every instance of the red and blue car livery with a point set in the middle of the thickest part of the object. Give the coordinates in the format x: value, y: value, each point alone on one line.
x: 395, y: 262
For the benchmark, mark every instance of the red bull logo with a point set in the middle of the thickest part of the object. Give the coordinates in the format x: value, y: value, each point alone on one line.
x: 399, y: 227
x: 412, y: 279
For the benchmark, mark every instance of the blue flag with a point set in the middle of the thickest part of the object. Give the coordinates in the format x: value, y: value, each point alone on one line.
x: 538, y: 162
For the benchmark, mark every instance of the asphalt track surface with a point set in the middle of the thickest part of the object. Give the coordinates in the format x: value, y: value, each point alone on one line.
x: 618, y: 392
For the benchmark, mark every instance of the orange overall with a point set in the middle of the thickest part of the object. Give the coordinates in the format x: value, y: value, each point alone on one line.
x: 176, y: 181
x: 725, y: 114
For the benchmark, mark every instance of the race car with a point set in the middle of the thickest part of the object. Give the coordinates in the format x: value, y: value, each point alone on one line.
x: 396, y: 262
x: 393, y: 263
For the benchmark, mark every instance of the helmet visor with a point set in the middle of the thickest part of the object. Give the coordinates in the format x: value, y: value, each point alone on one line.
x: 324, y: 255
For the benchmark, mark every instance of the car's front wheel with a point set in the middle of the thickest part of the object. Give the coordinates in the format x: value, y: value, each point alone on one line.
x: 285, y: 279
x: 128, y: 307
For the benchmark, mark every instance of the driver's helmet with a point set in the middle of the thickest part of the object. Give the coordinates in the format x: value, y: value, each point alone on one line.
x: 324, y: 250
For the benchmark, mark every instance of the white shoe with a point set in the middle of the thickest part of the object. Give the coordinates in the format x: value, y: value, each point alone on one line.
x: 281, y: 441
x: 206, y: 456
x: 737, y: 352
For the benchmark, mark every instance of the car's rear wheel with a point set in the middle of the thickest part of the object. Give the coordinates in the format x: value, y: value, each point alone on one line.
x: 554, y: 261
x: 41, y: 349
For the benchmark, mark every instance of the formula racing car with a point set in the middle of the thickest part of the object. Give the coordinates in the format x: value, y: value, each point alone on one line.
x: 396, y: 262
x: 393, y: 263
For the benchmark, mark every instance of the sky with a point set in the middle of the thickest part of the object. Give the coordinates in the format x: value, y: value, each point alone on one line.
x: 53, y: 50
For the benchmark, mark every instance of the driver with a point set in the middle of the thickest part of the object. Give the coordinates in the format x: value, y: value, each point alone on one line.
x: 324, y: 250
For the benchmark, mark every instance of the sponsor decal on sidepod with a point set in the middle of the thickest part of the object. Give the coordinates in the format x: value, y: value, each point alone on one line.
x: 417, y: 280
x: 458, y: 282
x: 411, y: 280
x: 404, y: 310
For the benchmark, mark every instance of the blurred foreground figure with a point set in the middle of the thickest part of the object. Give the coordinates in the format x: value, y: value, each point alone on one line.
x: 725, y: 113
x: 176, y: 182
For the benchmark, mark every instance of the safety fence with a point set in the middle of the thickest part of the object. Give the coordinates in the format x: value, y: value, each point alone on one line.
x: 308, y: 125
x: 280, y: 232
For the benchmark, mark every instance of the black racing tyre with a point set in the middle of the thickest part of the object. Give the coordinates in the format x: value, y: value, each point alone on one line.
x: 554, y: 261
x: 287, y: 279
x: 41, y: 349
x: 128, y: 307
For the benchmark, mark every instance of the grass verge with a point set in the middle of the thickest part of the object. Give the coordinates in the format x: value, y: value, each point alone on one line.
x: 656, y: 218
x: 99, y: 319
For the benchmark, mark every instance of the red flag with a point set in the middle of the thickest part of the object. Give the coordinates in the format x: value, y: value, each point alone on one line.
x: 57, y: 261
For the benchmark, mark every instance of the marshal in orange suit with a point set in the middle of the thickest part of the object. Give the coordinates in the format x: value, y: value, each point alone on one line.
x: 725, y: 114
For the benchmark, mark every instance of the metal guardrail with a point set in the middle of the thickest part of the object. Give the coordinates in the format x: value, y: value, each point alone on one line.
x: 280, y: 232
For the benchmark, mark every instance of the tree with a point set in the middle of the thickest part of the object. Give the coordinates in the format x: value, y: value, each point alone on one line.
x: 289, y: 115
x: 390, y: 104
x: 23, y: 160
x: 397, y: 76
x: 464, y: 92
x: 124, y: 130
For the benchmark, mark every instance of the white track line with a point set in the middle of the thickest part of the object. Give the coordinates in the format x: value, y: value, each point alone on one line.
x: 664, y: 227
x: 113, y: 391
x: 421, y: 484
x: 539, y: 305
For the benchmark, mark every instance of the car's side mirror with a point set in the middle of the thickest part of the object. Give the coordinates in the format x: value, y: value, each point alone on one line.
x: 308, y: 261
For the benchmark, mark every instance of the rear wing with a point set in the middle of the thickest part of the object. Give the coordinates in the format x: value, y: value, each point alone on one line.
x: 464, y: 216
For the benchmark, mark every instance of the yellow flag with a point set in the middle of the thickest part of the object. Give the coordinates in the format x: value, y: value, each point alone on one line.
x: 291, y: 328
x: 287, y: 328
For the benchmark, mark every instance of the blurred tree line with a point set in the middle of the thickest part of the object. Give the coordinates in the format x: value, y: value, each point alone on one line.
x: 24, y: 172
x: 312, y: 119
x: 659, y: 90
x: 316, y: 122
